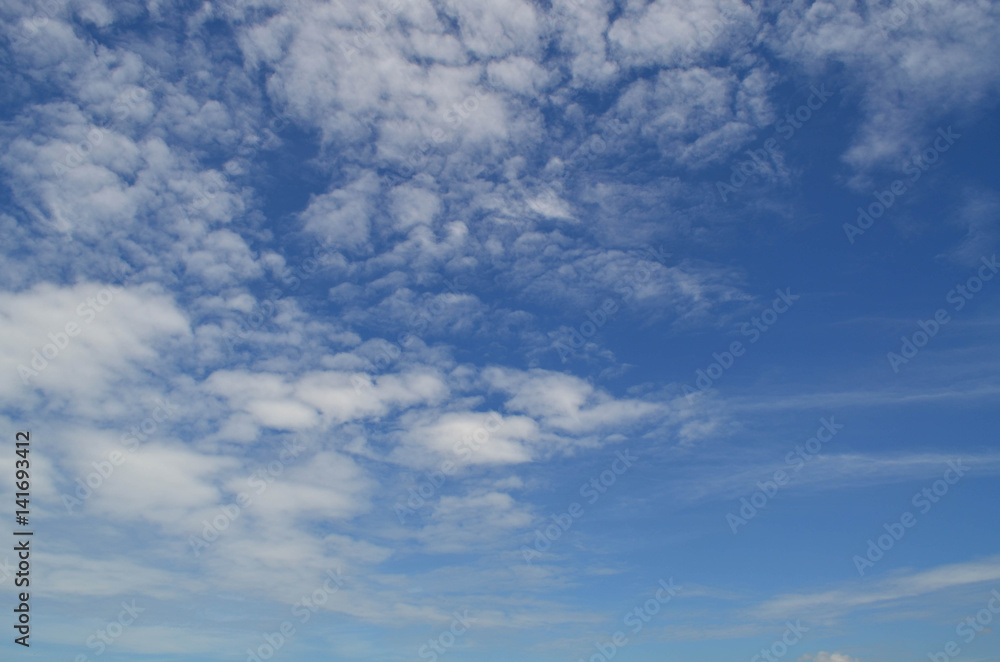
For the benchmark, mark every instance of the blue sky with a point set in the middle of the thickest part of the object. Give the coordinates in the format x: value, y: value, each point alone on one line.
x: 419, y: 330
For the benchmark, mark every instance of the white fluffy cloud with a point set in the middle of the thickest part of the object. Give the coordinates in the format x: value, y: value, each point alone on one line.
x: 823, y: 656
x: 77, y: 342
x: 911, y: 64
x: 455, y: 160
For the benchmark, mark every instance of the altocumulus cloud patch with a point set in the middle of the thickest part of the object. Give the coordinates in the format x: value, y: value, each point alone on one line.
x: 439, y: 330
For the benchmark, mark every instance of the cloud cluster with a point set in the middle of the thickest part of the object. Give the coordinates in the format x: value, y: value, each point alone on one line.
x: 477, y: 178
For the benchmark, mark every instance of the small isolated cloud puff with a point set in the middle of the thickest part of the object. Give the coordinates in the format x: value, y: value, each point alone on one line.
x: 828, y: 657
